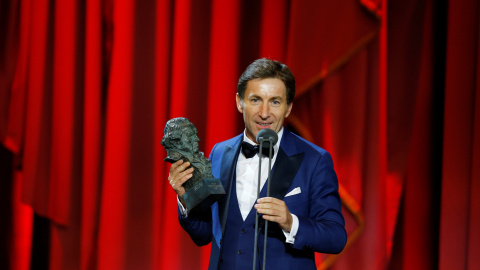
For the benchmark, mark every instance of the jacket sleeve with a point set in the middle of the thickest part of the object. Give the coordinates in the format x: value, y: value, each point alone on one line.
x: 198, y: 224
x: 323, y: 229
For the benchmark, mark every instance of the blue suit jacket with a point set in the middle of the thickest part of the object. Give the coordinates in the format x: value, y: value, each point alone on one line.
x: 299, y: 164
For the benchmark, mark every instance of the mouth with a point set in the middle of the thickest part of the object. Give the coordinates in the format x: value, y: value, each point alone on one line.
x: 264, y: 125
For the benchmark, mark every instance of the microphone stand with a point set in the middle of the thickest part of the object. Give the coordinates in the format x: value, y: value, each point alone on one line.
x: 270, y: 148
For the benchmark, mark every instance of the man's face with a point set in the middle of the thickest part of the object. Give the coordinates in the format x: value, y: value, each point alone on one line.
x: 264, y: 105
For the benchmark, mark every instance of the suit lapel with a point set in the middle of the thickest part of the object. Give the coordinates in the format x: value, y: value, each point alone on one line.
x: 286, y: 167
x: 283, y: 173
x: 227, y: 172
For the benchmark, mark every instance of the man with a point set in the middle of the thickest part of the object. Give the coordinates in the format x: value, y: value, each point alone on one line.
x: 304, y: 206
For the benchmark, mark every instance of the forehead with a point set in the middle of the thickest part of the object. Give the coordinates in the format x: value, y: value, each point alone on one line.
x: 269, y: 87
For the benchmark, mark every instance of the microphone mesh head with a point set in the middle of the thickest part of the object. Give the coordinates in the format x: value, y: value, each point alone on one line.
x: 267, y: 135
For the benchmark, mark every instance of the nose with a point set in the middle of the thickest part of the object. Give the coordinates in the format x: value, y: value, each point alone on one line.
x: 264, y: 111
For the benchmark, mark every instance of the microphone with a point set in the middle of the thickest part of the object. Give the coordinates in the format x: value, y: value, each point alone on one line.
x: 267, y: 136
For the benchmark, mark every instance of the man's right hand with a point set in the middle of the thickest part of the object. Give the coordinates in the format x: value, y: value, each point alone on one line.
x: 178, y: 175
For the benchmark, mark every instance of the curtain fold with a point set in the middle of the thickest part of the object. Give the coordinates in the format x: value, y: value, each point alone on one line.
x: 36, y: 147
x: 414, y: 100
x: 460, y: 139
x: 93, y: 129
x: 162, y: 82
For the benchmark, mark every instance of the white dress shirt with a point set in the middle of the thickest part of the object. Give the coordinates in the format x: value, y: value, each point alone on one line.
x: 247, y: 182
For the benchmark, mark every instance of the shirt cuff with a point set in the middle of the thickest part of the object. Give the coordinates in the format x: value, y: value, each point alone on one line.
x: 290, y: 237
x: 183, y: 211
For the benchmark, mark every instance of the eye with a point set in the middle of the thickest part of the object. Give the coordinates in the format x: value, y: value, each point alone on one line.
x: 275, y: 102
x: 254, y: 100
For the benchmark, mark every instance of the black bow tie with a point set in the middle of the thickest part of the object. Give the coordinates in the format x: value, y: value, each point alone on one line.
x: 250, y: 150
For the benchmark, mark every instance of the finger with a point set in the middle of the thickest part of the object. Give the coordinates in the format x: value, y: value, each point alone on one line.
x: 270, y: 200
x: 181, y: 175
x: 268, y: 210
x: 176, y: 164
x: 264, y: 206
x: 274, y: 214
x: 271, y: 203
x: 185, y: 176
x: 173, y: 169
x: 272, y: 218
x: 180, y: 168
x: 176, y: 172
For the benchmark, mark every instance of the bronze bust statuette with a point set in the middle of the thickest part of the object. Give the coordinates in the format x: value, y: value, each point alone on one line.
x: 181, y: 142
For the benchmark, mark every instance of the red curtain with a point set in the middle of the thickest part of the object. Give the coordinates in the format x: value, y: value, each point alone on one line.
x: 86, y: 87
x: 460, y: 207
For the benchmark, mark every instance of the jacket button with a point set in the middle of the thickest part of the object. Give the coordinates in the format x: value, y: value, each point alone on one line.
x: 239, y: 252
x: 243, y: 231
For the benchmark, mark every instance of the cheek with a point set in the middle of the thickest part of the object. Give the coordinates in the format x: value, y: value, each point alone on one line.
x: 248, y: 111
x: 278, y: 113
x: 283, y: 112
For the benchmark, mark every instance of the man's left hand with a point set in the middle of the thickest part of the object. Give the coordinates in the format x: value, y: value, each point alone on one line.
x: 275, y: 210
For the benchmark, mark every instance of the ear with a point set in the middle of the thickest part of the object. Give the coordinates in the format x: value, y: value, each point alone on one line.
x: 239, y: 103
x: 289, y: 109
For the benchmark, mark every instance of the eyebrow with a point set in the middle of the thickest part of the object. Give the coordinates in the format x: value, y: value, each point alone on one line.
x: 259, y: 97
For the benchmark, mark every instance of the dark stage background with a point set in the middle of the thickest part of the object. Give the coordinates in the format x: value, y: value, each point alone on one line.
x: 390, y: 88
